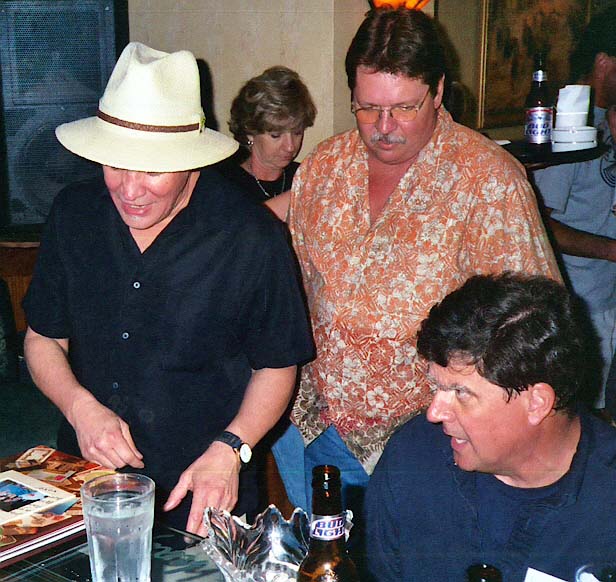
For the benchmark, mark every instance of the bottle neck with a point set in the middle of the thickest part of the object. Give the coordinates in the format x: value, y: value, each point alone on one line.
x: 483, y: 573
x: 327, y: 525
x: 540, y: 76
x: 326, y: 496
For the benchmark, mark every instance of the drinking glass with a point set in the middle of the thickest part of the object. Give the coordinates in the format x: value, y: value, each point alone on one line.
x: 118, y: 511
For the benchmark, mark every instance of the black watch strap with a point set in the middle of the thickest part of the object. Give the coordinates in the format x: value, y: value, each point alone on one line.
x: 242, y: 449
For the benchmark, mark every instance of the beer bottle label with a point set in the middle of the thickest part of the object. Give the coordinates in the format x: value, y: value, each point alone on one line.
x: 538, y: 125
x: 540, y: 76
x: 327, y: 527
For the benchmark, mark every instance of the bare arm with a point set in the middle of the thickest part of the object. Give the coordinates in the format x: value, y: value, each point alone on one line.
x: 214, y: 476
x: 579, y: 243
x: 576, y: 242
x: 48, y: 364
x: 102, y: 435
x: 279, y: 205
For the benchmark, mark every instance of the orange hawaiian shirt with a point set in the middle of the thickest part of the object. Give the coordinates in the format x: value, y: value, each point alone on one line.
x: 464, y: 207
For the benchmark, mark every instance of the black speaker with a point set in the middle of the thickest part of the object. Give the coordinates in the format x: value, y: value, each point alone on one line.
x: 55, y: 57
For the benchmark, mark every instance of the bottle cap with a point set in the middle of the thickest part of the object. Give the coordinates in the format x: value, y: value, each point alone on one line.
x: 608, y: 574
x: 483, y: 573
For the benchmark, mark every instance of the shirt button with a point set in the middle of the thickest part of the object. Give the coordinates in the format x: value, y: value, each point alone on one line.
x: 136, y: 284
x: 125, y: 335
x: 115, y: 385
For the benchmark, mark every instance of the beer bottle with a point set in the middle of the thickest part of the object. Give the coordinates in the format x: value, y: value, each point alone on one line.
x: 539, y: 110
x: 483, y: 573
x: 327, y: 559
x: 608, y: 574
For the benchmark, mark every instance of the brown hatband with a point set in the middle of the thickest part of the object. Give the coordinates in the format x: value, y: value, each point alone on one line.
x: 144, y: 127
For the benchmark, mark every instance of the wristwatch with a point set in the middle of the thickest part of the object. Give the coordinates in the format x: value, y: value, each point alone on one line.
x: 242, y: 449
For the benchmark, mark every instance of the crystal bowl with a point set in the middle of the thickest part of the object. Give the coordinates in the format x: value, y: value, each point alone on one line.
x: 270, y: 550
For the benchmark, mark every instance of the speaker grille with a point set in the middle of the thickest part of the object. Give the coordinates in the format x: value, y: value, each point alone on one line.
x: 56, y: 58
x: 38, y: 166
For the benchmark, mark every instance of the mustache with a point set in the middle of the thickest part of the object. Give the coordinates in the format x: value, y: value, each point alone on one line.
x: 387, y: 138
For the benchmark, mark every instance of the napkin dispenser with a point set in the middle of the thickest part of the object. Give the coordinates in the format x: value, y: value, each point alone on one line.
x: 572, y: 106
x: 571, y: 132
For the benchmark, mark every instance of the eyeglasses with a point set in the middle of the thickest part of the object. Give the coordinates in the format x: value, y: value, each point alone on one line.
x: 399, y: 113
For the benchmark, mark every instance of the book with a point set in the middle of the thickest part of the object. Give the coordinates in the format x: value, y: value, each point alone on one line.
x: 42, y: 522
x: 21, y: 495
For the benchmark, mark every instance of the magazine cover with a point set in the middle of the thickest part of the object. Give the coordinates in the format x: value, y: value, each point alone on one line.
x: 21, y: 495
x: 35, y: 529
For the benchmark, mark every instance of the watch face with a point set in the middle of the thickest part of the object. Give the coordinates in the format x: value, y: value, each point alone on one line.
x: 245, y: 453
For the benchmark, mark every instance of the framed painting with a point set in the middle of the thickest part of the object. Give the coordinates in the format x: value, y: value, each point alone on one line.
x: 513, y: 31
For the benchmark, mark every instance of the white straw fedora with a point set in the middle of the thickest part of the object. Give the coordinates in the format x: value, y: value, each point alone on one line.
x: 149, y: 118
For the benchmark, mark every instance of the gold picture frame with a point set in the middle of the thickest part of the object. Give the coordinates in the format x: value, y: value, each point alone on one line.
x: 512, y: 32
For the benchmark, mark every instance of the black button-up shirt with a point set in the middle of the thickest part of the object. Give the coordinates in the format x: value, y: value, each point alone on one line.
x: 168, y: 338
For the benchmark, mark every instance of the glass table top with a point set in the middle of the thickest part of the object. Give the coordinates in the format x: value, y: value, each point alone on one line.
x: 176, y: 557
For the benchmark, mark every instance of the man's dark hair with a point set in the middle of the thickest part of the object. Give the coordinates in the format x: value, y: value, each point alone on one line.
x: 398, y: 41
x: 598, y: 37
x: 517, y: 330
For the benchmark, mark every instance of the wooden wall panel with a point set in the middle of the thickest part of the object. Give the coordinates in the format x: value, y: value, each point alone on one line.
x: 16, y: 266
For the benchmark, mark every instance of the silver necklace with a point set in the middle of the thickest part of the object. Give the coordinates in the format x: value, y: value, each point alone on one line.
x: 267, y: 194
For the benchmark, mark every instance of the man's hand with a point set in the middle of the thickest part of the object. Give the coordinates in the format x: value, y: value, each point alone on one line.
x: 103, y: 436
x: 213, y: 479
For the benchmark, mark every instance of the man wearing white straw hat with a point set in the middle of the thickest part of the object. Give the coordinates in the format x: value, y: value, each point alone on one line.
x: 165, y: 315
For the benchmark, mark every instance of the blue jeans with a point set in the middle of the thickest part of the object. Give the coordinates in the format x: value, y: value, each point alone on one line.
x: 295, y: 463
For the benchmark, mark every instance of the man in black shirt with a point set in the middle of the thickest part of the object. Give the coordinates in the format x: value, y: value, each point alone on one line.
x: 165, y: 315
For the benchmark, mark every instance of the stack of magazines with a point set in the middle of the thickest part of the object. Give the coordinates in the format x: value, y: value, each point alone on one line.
x: 39, y: 500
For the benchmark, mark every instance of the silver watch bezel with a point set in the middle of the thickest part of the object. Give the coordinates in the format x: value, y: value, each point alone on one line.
x: 245, y: 453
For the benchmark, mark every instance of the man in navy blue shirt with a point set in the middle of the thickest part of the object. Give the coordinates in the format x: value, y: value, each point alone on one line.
x: 504, y: 468
x: 165, y: 314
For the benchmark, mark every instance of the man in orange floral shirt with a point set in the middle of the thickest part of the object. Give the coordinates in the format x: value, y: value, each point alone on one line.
x: 386, y: 220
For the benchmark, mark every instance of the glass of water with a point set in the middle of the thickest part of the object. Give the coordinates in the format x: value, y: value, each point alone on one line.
x: 118, y: 511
